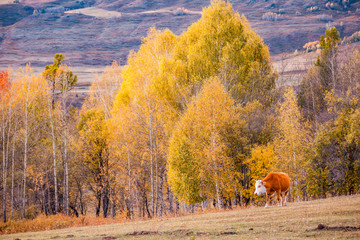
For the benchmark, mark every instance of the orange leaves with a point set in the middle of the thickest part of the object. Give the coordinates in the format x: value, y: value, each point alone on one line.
x: 4, y: 84
x: 52, y: 222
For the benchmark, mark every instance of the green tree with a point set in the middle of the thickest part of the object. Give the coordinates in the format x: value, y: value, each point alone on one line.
x: 50, y: 73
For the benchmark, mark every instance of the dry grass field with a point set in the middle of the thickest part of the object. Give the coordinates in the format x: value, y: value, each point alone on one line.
x: 340, y: 217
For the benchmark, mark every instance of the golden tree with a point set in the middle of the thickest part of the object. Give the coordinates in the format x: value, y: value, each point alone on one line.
x: 200, y: 167
x: 292, y: 141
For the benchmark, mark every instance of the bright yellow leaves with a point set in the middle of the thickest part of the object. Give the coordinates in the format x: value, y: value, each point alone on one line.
x: 292, y: 141
x: 193, y: 82
x: 199, y: 164
x: 222, y: 44
x: 143, y: 69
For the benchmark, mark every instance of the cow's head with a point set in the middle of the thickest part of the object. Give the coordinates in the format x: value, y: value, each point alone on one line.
x: 259, y: 187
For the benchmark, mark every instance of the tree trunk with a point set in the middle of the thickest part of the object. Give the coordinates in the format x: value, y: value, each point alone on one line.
x: 177, y: 206
x: 54, y: 160
x: 147, y: 207
x: 106, y: 200
x: 151, y: 143
x: 98, y: 198
x: 113, y: 206
x: 25, y: 158
x: 4, y: 165
x: 161, y: 197
x: 82, y: 207
x: 151, y: 165
x: 12, y: 176
x: 129, y: 183
x: 156, y: 181
x: 170, y: 199
x: 66, y: 175
x: 214, y: 159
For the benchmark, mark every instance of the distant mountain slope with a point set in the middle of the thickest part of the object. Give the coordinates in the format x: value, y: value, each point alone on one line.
x: 46, y: 27
x: 12, y: 13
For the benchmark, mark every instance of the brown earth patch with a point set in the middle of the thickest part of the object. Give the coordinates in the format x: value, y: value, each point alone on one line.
x: 322, y: 227
x: 140, y: 233
x: 108, y: 237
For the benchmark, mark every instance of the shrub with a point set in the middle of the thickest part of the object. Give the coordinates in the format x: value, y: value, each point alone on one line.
x: 181, y: 11
x: 59, y: 221
x: 312, y: 9
x: 351, y: 39
x: 312, y: 46
x: 271, y: 16
x: 325, y: 18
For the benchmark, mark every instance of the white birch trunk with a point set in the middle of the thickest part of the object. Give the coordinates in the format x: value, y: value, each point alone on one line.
x: 54, y: 159
x: 26, y: 136
x: 4, y: 164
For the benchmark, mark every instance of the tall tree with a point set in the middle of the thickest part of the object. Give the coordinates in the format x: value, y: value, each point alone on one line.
x: 146, y: 97
x: 200, y: 166
x: 336, y: 148
x: 31, y: 90
x: 292, y: 141
x: 102, y: 96
x: 4, y: 96
x: 66, y: 81
x: 51, y: 73
x: 61, y: 79
x: 327, y: 61
x: 321, y: 78
x: 223, y: 44
x: 94, y: 152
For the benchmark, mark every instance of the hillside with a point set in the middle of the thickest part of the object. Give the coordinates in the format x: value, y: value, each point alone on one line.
x: 340, y: 217
x: 293, y: 67
x: 94, y: 33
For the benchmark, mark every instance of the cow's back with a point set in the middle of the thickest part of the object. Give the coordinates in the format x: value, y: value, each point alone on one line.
x: 277, y: 180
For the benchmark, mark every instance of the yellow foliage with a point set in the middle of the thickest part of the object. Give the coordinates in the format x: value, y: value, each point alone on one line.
x: 198, y: 165
x: 292, y: 141
x: 222, y: 44
x: 260, y: 163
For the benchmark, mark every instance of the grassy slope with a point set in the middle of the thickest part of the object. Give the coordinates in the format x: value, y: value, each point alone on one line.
x: 296, y: 221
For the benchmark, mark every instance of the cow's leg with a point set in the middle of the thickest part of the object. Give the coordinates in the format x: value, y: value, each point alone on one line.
x: 267, y: 200
x: 285, y: 195
x: 278, y: 197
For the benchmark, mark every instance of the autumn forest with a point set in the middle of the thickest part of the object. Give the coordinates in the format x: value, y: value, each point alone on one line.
x: 186, y: 125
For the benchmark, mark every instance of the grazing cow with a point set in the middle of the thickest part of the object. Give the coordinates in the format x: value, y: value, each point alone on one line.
x: 274, y: 182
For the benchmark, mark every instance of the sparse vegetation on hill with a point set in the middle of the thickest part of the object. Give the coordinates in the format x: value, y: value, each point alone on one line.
x: 271, y: 16
x: 12, y: 13
x: 351, y: 39
x: 102, y: 39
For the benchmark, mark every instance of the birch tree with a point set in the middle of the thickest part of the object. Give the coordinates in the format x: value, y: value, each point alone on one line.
x: 200, y: 167
x: 292, y: 141
x: 5, y: 130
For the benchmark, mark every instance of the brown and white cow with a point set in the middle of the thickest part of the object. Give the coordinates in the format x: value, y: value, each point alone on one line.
x: 274, y: 182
